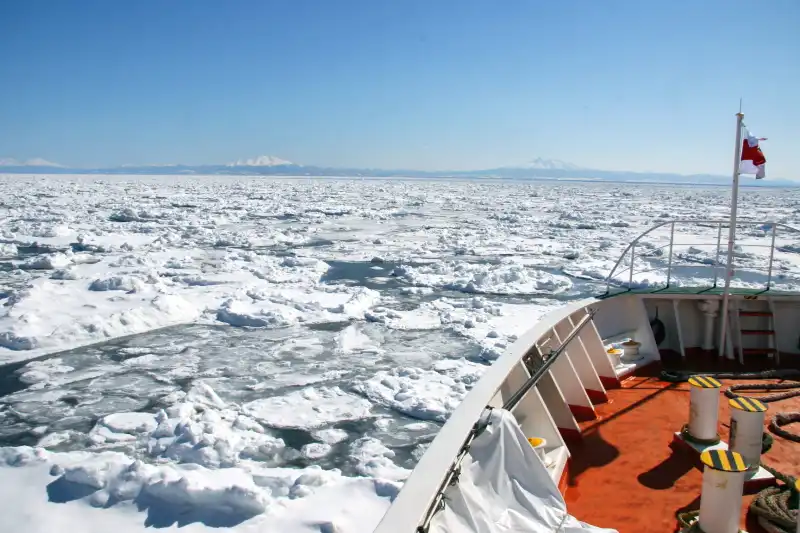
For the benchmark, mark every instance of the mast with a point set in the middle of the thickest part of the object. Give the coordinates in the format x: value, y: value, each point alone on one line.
x: 731, y: 231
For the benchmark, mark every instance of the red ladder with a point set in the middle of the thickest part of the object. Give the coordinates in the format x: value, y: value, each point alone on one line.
x: 767, y: 332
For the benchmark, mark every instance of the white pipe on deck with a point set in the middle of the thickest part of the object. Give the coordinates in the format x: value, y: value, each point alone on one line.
x: 709, y: 308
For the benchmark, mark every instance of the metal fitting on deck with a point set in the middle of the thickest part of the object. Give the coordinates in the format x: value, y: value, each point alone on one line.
x: 723, y: 486
x: 747, y: 429
x: 703, y: 408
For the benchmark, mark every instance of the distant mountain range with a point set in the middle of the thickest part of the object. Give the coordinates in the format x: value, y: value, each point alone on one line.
x: 35, y: 162
x: 268, y: 165
x: 261, y: 161
x: 547, y: 164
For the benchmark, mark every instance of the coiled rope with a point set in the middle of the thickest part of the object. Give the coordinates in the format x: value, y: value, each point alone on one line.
x: 776, y: 507
x: 688, y: 522
x: 783, y: 419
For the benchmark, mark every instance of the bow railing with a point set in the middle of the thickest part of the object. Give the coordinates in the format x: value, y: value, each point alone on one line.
x: 700, y: 259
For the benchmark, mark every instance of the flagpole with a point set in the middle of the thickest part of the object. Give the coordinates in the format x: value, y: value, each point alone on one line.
x: 731, y: 232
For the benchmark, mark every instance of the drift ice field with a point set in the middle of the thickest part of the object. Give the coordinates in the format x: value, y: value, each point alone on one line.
x: 271, y: 354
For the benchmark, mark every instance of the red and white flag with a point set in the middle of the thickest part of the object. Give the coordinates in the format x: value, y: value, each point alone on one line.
x: 753, y: 159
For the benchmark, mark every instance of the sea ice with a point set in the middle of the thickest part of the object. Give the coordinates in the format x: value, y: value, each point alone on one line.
x: 423, y: 394
x: 308, y: 408
x: 357, y: 305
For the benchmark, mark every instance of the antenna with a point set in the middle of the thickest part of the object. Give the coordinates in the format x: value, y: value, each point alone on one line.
x: 740, y: 104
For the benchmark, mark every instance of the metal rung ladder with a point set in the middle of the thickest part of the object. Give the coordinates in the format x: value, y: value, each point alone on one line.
x: 740, y: 314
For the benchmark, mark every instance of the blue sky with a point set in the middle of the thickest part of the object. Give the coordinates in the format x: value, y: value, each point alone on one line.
x: 628, y: 85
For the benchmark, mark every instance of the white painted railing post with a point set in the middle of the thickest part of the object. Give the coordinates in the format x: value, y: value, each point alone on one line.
x: 716, y: 262
x: 633, y: 257
x: 671, y: 242
x: 771, y: 255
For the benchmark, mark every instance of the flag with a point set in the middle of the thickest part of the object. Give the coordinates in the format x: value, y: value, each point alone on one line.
x: 753, y: 160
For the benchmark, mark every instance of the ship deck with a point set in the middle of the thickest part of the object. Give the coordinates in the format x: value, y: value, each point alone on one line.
x: 625, y: 475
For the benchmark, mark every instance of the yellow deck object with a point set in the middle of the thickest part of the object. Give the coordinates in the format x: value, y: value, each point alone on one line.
x: 704, y: 382
x: 751, y: 405
x: 724, y: 460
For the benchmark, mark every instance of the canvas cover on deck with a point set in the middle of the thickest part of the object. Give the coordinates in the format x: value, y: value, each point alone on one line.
x: 505, y: 487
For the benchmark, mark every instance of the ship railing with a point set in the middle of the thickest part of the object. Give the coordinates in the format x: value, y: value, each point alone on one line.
x: 708, y: 269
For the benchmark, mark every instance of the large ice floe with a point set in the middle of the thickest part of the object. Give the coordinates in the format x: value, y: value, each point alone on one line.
x: 276, y: 354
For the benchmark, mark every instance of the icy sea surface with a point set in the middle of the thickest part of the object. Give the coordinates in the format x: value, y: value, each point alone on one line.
x: 276, y: 354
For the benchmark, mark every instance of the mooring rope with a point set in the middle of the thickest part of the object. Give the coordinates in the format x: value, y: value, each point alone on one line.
x: 777, y: 506
x: 677, y: 376
x: 783, y: 419
x: 731, y: 392
x: 689, y: 522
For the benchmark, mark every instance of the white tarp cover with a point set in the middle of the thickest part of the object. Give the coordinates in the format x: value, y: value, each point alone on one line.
x: 505, y: 487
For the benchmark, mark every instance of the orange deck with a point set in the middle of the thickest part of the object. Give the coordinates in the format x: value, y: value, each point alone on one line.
x: 625, y: 475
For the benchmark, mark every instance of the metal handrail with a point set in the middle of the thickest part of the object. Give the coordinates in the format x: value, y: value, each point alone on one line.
x: 705, y: 223
x: 454, y: 471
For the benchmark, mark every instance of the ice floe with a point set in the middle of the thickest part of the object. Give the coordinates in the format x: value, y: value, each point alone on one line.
x: 308, y: 408
x: 109, y: 489
x: 503, y: 278
x: 423, y: 394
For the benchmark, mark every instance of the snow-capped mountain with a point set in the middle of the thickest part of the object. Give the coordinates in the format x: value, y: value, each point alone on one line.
x: 547, y: 164
x: 538, y: 168
x: 153, y: 165
x: 261, y: 161
x: 35, y: 162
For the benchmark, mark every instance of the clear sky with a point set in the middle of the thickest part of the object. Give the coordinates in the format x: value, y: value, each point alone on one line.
x: 424, y: 84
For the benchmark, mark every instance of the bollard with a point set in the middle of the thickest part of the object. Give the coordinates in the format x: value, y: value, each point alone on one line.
x: 747, y: 429
x: 704, y: 408
x: 723, y: 487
